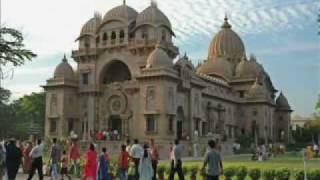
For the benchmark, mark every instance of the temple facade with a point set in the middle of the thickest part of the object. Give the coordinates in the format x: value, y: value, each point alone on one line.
x: 127, y: 81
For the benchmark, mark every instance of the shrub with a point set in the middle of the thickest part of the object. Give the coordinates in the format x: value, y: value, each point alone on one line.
x: 185, y: 170
x: 283, y: 174
x: 255, y: 173
x: 193, y: 170
x: 298, y: 174
x: 229, y: 172
x: 269, y: 174
x: 314, y: 174
x: 241, y: 172
x: 161, y: 170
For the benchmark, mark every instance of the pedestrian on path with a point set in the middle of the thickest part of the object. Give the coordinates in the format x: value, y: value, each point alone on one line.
x: 55, y: 159
x: 64, y: 165
x: 176, y: 162
x: 104, y: 165
x: 74, y: 156
x: 91, y: 165
x: 37, y: 163
x: 13, y: 159
x: 123, y: 163
x: 2, y: 161
x: 154, y: 158
x: 136, y: 153
x: 145, y: 165
x: 213, y: 161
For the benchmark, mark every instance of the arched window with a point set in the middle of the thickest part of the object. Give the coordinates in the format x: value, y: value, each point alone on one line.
x: 98, y: 40
x: 144, y: 34
x: 116, y: 71
x: 105, y: 36
x: 87, y: 42
x: 163, y: 35
x: 121, y: 36
x: 113, y: 37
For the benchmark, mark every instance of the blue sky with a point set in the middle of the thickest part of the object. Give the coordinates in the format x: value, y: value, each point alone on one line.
x: 281, y: 33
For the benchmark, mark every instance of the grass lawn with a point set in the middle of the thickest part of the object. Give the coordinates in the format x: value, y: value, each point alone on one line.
x: 291, y: 161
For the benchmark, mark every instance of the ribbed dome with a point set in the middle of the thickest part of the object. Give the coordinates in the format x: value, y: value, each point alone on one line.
x: 90, y: 27
x: 226, y: 43
x: 64, y: 70
x: 282, y: 102
x: 123, y: 13
x: 248, y: 69
x: 152, y: 15
x: 159, y: 58
x: 217, y: 67
x: 257, y: 91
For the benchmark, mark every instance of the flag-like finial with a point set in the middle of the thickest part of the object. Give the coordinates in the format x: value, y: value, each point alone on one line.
x: 64, y: 58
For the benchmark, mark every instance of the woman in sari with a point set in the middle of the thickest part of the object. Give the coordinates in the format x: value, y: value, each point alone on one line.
x: 145, y: 165
x: 26, y: 158
x: 91, y: 165
x: 103, y: 172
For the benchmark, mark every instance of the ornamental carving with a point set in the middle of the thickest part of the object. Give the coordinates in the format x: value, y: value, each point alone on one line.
x: 151, y: 98
x: 53, y: 104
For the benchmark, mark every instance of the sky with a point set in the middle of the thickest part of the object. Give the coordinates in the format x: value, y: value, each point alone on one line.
x: 281, y: 33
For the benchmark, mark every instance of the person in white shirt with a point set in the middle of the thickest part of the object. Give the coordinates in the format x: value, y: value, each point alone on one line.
x: 136, y: 152
x: 36, y: 155
x: 316, y: 150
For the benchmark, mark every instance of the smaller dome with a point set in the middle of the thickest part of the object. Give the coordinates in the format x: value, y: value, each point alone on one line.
x: 122, y: 13
x: 282, y: 102
x: 91, y: 26
x: 248, y: 69
x: 153, y: 16
x: 159, y: 58
x: 217, y: 67
x: 257, y: 91
x: 64, y: 70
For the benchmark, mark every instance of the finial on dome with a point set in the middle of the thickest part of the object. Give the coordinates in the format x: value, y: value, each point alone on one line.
x: 226, y: 24
x: 244, y: 58
x: 124, y: 2
x: 253, y: 58
x: 64, y: 58
x: 153, y: 3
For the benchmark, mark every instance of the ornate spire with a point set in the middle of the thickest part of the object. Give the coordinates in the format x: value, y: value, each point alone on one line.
x: 64, y: 58
x: 226, y: 24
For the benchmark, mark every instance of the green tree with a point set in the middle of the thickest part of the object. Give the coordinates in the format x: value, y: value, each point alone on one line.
x: 12, y: 48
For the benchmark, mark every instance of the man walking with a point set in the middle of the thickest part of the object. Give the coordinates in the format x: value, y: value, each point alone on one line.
x: 136, y: 153
x: 13, y: 159
x: 36, y: 155
x: 154, y: 158
x: 176, y: 162
x: 214, y: 162
x: 55, y: 158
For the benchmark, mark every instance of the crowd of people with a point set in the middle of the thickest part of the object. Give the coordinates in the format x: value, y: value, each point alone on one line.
x: 135, y: 161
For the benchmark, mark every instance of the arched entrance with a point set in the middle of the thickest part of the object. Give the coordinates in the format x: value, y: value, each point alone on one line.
x: 180, y: 119
x: 115, y: 71
x: 115, y: 124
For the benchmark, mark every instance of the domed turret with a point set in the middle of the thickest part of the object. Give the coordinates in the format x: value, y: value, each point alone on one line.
x: 159, y: 58
x: 218, y: 67
x: 153, y: 16
x: 257, y: 91
x: 226, y: 43
x: 121, y: 13
x: 282, y: 102
x: 90, y: 27
x: 64, y: 70
x: 248, y: 69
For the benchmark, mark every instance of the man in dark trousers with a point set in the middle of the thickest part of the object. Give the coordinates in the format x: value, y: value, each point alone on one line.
x: 176, y: 162
x: 36, y: 155
x: 213, y: 160
x: 13, y: 159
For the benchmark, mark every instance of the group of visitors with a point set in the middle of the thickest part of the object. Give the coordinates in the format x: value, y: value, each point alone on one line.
x: 108, y: 135
x: 135, y: 162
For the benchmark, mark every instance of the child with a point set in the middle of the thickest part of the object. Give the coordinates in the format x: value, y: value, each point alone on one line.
x: 64, y: 165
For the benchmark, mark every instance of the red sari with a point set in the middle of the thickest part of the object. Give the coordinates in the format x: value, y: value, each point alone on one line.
x: 91, y: 165
x: 27, y: 159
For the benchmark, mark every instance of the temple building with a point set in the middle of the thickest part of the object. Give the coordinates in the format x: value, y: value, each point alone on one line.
x: 127, y: 81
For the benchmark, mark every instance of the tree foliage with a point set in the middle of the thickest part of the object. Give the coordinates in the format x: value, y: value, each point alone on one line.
x: 12, y: 48
x: 21, y: 115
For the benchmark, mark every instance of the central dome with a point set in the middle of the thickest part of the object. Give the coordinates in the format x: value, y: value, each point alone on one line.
x: 226, y: 43
x: 153, y: 16
x: 122, y: 13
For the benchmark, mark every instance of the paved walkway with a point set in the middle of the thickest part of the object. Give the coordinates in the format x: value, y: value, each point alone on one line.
x: 25, y: 176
